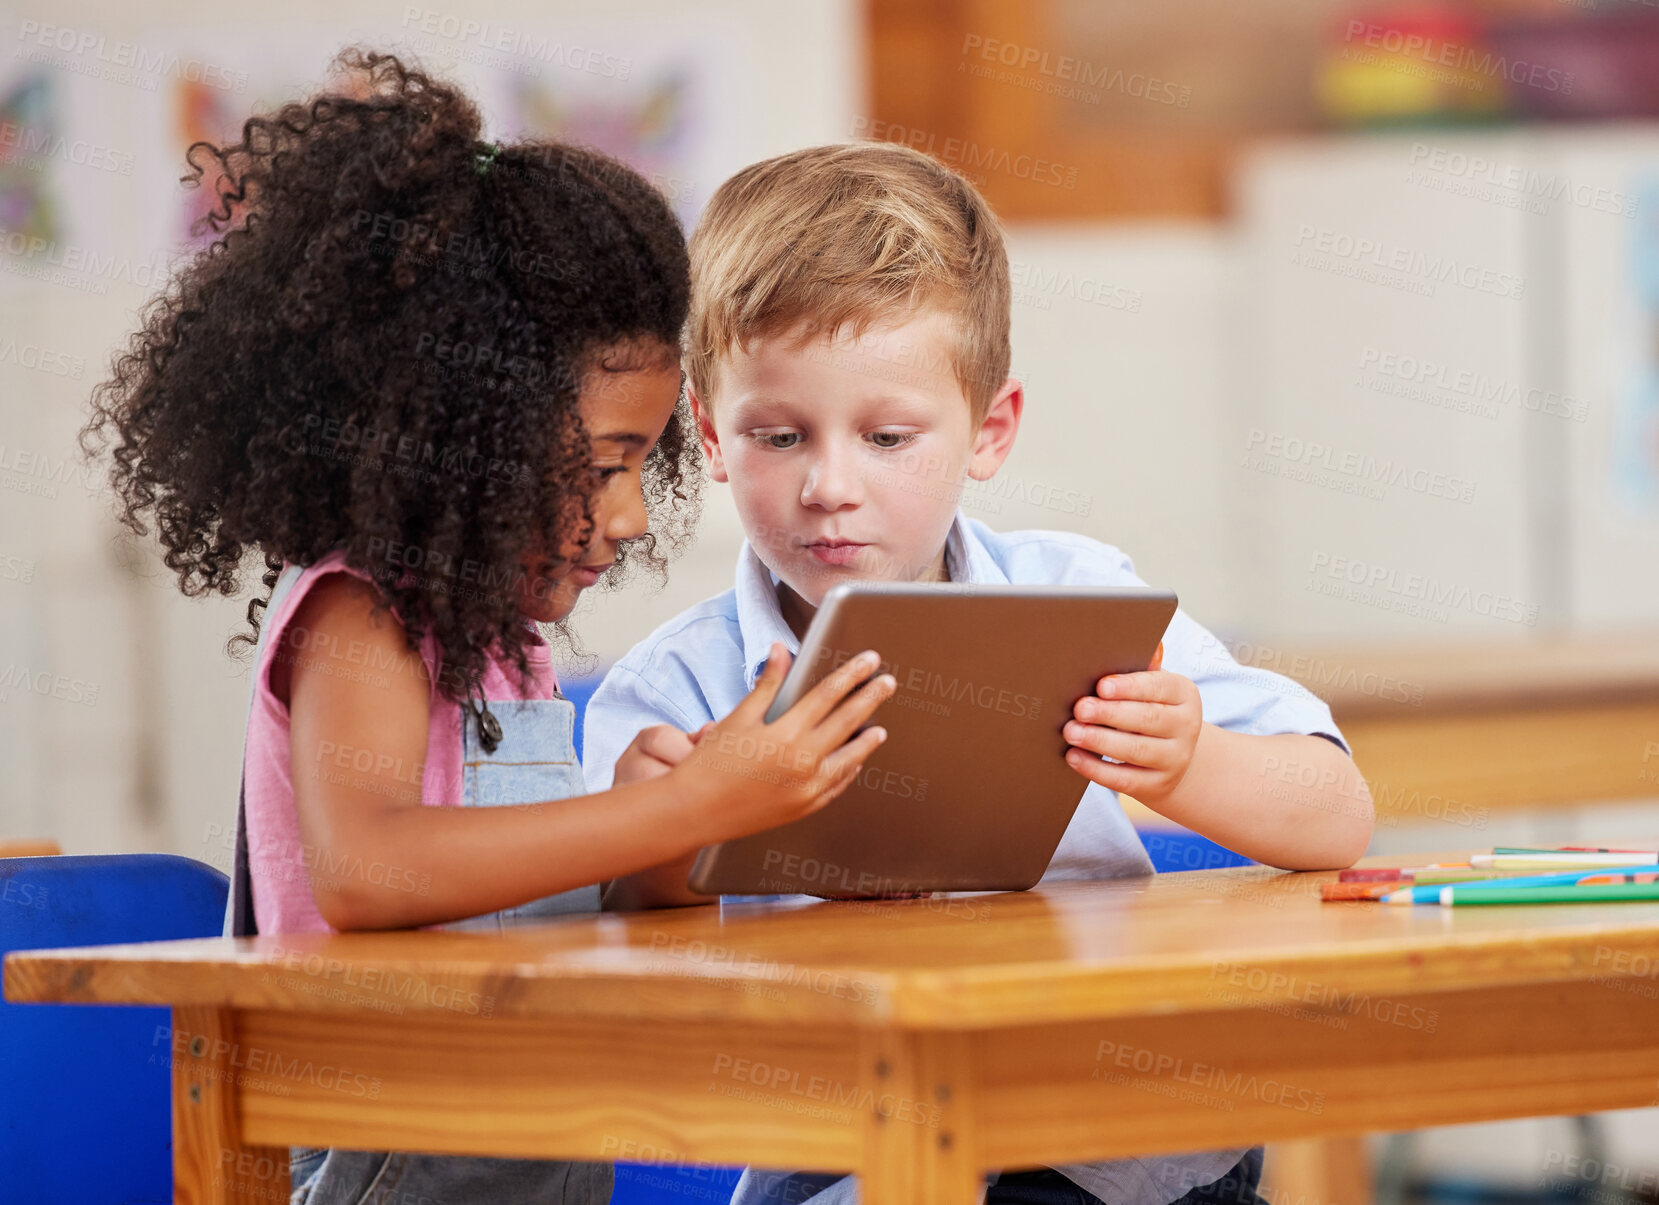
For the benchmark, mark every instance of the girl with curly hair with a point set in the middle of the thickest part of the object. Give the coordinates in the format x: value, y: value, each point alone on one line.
x: 435, y: 385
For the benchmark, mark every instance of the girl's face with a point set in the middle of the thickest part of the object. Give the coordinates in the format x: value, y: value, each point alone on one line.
x: 625, y: 412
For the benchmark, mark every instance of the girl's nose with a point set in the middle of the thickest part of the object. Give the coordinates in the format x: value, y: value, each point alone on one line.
x: 628, y: 521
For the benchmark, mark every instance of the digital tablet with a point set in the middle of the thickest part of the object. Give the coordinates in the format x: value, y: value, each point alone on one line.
x: 971, y: 790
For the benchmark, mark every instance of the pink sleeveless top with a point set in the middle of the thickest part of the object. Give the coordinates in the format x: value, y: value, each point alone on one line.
x: 280, y: 863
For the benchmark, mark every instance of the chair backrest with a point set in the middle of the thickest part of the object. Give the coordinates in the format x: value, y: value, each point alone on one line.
x: 1177, y: 849
x: 88, y: 1116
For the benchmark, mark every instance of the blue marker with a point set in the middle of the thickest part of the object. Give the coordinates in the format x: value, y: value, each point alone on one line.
x: 1430, y: 893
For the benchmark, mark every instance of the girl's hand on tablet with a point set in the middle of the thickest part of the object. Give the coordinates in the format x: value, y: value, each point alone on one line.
x: 746, y: 775
x: 1147, y: 723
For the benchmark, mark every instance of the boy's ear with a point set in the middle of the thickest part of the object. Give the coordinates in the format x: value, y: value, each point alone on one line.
x: 995, y: 438
x: 710, y: 440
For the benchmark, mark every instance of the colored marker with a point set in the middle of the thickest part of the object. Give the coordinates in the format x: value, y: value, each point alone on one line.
x: 1560, y: 861
x: 1616, y: 892
x: 1569, y: 849
x: 1472, y: 876
x: 1385, y: 874
x: 1359, y: 891
x: 1431, y: 893
x: 1622, y: 876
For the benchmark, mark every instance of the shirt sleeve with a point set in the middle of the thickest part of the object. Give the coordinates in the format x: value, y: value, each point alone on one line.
x: 1240, y: 698
x: 1244, y: 698
x: 624, y: 704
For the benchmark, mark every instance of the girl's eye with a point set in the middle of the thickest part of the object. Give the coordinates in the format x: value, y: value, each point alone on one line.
x: 780, y: 439
x: 891, y: 439
x: 606, y: 472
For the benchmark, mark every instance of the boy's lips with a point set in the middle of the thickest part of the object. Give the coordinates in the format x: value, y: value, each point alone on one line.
x: 834, y: 552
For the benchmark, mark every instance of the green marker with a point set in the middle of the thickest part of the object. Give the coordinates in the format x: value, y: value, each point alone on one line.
x: 1596, y: 894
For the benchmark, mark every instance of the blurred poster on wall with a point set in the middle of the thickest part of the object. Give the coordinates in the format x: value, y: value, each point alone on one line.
x: 671, y: 104
x: 1609, y: 316
x: 234, y: 78
x: 31, y: 132
x: 1635, y: 430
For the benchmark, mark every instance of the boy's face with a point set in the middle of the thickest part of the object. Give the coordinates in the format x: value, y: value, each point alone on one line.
x: 846, y: 457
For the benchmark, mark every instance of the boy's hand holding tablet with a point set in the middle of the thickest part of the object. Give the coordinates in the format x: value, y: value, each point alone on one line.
x: 1147, y: 723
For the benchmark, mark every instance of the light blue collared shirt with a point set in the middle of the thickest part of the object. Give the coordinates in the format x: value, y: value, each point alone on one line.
x: 699, y: 665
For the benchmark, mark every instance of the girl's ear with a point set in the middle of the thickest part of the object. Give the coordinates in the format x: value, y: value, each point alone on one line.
x: 710, y: 438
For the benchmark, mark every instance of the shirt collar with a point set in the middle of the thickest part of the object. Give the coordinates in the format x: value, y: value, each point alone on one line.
x: 760, y: 620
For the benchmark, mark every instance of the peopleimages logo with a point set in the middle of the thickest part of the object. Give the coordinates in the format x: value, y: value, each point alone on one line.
x: 1273, y: 451
x: 1417, y: 271
x: 1475, y: 60
x: 30, y: 146
x: 122, y: 62
x: 526, y: 43
x: 1418, y: 378
x: 1366, y: 582
x: 967, y: 156
x: 1510, y: 184
x: 1065, y: 76
x: 1160, y: 1065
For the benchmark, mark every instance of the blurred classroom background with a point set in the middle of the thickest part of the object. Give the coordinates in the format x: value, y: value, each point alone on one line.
x: 1341, y: 318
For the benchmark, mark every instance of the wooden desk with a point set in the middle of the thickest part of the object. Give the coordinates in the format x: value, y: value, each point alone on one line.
x: 1454, y: 733
x: 916, y: 1042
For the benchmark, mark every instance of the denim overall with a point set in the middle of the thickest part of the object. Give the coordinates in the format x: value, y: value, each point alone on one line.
x: 534, y: 761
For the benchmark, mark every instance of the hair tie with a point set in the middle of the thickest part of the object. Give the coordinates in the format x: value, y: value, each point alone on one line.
x: 484, y: 156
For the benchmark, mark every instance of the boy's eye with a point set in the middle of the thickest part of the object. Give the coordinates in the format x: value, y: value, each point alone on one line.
x: 891, y: 439
x: 779, y: 439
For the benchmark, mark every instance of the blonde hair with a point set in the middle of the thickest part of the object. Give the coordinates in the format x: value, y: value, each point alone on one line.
x: 842, y: 237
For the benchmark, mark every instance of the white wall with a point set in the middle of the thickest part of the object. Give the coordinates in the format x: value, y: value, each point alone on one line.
x: 1510, y: 379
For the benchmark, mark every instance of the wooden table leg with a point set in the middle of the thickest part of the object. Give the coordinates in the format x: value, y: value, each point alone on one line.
x: 211, y: 1166
x: 1333, y: 1171
x: 920, y: 1140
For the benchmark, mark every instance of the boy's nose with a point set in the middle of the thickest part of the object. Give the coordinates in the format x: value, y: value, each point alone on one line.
x: 833, y: 482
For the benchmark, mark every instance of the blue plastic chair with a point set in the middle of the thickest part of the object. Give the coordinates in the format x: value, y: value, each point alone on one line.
x: 646, y: 1183
x: 1181, y: 850
x: 673, y: 1184
x: 579, y: 691
x: 88, y: 1115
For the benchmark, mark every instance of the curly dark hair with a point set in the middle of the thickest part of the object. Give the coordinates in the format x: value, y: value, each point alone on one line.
x: 382, y: 352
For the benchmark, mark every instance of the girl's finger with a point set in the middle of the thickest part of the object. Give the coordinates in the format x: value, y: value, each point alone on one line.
x: 844, y: 780
x: 1131, y: 747
x: 851, y: 756
x: 753, y: 708
x: 1158, y: 657
x: 697, y: 736
x: 850, y: 716
x: 823, y: 698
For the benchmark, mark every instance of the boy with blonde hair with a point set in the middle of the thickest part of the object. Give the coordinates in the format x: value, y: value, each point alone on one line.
x: 848, y: 354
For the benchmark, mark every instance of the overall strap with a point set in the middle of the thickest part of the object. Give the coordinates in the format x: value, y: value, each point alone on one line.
x: 239, y: 918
